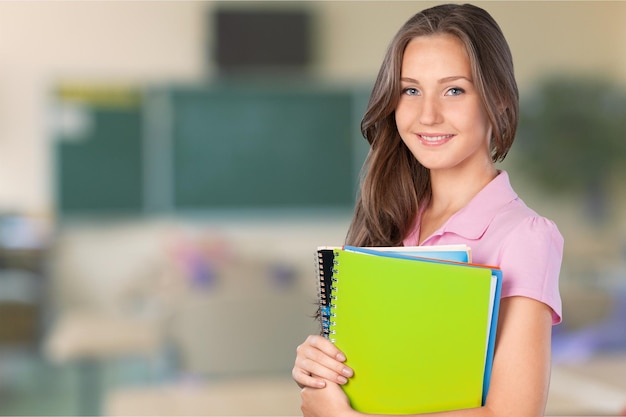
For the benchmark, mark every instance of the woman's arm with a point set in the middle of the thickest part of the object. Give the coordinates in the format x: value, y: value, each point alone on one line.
x: 521, y: 368
x: 520, y: 375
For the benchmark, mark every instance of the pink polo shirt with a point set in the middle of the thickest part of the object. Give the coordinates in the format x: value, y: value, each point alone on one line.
x: 503, y: 231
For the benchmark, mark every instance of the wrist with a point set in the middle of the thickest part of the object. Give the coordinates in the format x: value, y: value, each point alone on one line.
x: 350, y: 412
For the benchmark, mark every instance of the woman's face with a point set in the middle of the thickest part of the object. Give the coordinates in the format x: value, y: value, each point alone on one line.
x: 439, y: 115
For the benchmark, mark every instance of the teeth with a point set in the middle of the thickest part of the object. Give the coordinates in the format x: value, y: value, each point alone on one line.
x: 435, y: 138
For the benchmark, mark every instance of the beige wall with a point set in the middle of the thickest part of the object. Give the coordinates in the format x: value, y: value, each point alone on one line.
x: 158, y: 41
x: 581, y: 37
x: 41, y: 41
x: 544, y: 36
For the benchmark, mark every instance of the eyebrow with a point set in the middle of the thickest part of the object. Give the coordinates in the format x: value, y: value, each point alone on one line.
x: 440, y: 81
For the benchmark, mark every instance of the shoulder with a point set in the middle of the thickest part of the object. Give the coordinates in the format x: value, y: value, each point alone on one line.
x: 496, y: 212
x: 519, y: 221
x: 525, y: 237
x: 530, y: 256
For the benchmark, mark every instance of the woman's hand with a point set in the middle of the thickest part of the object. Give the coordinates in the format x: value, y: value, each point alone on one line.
x: 326, y: 402
x: 318, y: 360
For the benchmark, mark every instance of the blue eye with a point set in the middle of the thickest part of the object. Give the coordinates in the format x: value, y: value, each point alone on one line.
x: 410, y: 91
x: 455, y: 91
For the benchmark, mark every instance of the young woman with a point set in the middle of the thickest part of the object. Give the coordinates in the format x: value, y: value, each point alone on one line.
x: 443, y: 111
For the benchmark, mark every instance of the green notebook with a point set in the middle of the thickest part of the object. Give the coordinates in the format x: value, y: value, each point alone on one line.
x: 418, y: 333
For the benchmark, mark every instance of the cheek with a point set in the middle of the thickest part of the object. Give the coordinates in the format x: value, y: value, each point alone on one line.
x: 475, y: 121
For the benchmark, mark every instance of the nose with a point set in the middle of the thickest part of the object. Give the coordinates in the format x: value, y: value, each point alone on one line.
x: 429, y: 112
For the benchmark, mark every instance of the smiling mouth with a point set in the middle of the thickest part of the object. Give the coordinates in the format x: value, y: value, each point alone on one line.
x: 433, y: 140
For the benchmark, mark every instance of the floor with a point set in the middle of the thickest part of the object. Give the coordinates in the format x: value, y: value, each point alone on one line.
x: 588, y: 378
x: 31, y: 386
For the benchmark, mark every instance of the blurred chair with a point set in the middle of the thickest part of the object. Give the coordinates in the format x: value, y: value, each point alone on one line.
x: 23, y: 278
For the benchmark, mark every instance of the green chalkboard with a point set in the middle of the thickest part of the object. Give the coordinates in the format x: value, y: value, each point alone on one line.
x: 99, y: 166
x: 220, y: 146
x: 256, y: 146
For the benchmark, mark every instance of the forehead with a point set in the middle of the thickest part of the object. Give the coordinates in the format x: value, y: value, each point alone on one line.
x: 440, y: 53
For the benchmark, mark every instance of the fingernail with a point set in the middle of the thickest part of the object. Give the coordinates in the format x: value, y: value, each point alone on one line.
x: 347, y: 372
x: 341, y: 357
x: 320, y: 384
x: 341, y: 379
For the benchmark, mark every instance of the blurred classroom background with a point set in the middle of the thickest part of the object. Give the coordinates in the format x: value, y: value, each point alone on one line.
x: 168, y: 168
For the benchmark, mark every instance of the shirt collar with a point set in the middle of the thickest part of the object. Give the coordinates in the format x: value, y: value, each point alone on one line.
x: 472, y: 220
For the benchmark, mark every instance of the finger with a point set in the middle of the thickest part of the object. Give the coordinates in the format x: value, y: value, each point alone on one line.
x: 313, y: 361
x: 304, y: 379
x: 324, y: 371
x: 323, y: 344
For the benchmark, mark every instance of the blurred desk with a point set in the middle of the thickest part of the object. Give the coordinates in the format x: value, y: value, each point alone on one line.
x: 90, y: 338
x: 594, y: 387
x: 270, y: 396
x: 97, y: 336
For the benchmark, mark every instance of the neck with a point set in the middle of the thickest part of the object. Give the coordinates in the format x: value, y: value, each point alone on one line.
x: 451, y: 191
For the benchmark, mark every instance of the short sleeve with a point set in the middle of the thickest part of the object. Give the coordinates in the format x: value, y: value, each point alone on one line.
x: 530, y: 260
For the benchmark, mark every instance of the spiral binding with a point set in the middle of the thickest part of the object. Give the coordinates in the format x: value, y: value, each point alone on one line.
x: 333, y: 296
x: 323, y: 301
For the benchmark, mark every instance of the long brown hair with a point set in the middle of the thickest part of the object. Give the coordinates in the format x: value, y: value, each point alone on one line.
x: 393, y: 182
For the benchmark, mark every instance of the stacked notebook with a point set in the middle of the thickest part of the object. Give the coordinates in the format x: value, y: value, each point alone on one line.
x: 417, y: 325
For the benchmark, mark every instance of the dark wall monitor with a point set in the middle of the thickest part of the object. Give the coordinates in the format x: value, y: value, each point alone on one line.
x: 249, y: 40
